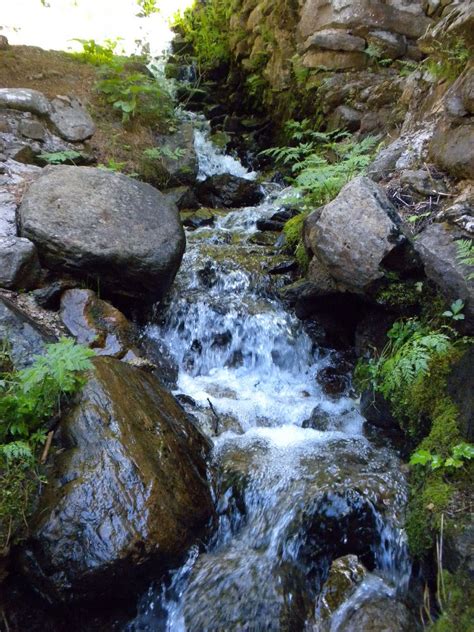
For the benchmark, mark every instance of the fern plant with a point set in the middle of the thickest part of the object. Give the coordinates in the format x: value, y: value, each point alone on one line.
x: 466, y: 254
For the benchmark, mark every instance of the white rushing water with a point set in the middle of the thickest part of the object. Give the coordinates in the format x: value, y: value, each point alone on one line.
x: 243, y: 357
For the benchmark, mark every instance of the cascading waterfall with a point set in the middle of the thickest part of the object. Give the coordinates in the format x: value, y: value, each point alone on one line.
x: 291, y: 498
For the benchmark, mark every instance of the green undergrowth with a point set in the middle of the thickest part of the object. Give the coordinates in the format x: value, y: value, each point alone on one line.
x: 456, y: 602
x: 411, y: 373
x: 317, y: 165
x: 30, y: 400
x: 205, y: 26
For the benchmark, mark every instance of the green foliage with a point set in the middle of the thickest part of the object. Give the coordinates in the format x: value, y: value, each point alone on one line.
x: 448, y: 59
x: 375, y: 55
x: 147, y: 8
x: 461, y: 453
x: 466, y: 254
x: 96, y: 54
x: 158, y: 153
x: 455, y: 309
x: 206, y: 27
x: 136, y: 96
x: 28, y: 398
x: 293, y: 231
x: 456, y: 602
x: 321, y: 163
x: 60, y: 157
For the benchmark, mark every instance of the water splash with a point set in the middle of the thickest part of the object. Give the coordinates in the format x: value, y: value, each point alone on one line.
x: 213, y: 161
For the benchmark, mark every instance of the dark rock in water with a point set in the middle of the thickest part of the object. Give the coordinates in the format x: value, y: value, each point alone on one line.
x: 322, y: 420
x: 166, y: 367
x: 128, y: 495
x: 197, y: 219
x: 269, y: 224
x: 461, y: 391
x: 96, y: 323
x: 284, y: 215
x: 375, y: 408
x: 379, y: 614
x: 333, y: 380
x: 229, y: 191
x: 25, y: 337
x: 284, y: 267
x: 183, y: 197
x: 104, y: 226
x: 345, y: 574
x: 19, y: 265
x: 251, y: 595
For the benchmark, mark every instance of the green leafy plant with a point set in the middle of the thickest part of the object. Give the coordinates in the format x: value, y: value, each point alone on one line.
x: 460, y: 454
x: 60, y: 157
x: 455, y: 309
x: 205, y: 27
x: 375, y: 54
x: 448, y: 58
x: 137, y: 96
x: 147, y: 8
x: 466, y: 254
x: 158, y: 153
x: 95, y: 53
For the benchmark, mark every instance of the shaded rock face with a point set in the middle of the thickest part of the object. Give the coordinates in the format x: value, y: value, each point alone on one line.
x: 229, y: 191
x: 128, y: 494
x: 437, y: 248
x: 25, y: 337
x: 452, y: 149
x: 350, y: 237
x: 105, y: 226
x: 381, y: 614
x: 19, y: 265
x: 96, y: 323
x: 461, y: 391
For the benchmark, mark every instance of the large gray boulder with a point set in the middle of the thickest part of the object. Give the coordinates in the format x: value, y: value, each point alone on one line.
x: 350, y: 237
x: 104, y: 226
x: 439, y: 254
x: 128, y: 495
x: 19, y: 265
x: 71, y: 119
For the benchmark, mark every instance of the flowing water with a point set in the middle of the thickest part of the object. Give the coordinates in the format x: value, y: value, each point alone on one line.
x: 290, y: 498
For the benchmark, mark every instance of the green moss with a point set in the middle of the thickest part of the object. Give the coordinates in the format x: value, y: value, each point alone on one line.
x: 429, y: 497
x: 18, y: 486
x: 457, y: 602
x: 399, y: 294
x: 293, y: 230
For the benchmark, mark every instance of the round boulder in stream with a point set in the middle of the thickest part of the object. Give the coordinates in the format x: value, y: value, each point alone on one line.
x: 229, y: 191
x: 104, y: 226
x: 128, y: 495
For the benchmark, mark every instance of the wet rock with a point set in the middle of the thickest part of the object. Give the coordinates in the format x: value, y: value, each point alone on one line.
x: 376, y: 410
x: 104, y: 226
x: 95, y: 323
x: 128, y: 495
x: 25, y: 337
x: 439, y: 253
x: 275, y: 599
x: 452, y: 149
x: 284, y: 267
x: 350, y: 237
x: 71, y: 119
x: 183, y: 197
x: 345, y: 575
x: 19, y: 265
x: 382, y: 614
x: 333, y: 380
x: 229, y: 191
x: 197, y: 219
x: 335, y: 39
x: 166, y: 367
x: 25, y: 100
x: 269, y: 224
x: 323, y: 420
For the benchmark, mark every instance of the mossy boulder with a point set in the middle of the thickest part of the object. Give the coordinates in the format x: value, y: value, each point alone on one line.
x: 128, y: 494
